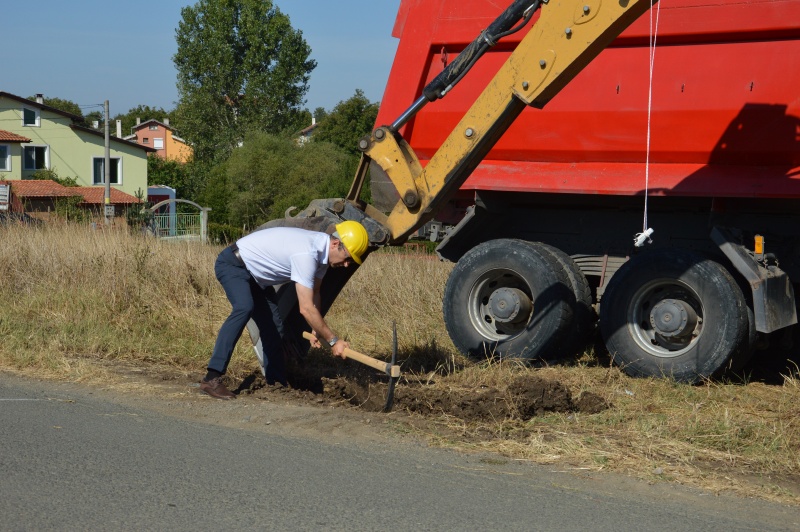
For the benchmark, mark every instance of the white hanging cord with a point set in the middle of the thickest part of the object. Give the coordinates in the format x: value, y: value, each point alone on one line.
x: 640, y: 238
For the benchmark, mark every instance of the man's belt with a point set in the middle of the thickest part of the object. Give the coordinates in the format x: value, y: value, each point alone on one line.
x: 236, y: 254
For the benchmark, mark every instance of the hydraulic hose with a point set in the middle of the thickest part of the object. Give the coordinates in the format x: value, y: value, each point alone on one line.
x: 455, y: 71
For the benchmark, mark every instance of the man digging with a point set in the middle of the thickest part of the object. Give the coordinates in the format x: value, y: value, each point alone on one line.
x: 250, y: 268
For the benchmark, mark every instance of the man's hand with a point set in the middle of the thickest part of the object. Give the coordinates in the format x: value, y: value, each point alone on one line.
x: 338, y: 348
x: 315, y: 342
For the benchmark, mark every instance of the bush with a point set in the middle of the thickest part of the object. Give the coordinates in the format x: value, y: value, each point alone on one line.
x: 137, y: 216
x: 223, y: 233
x: 269, y: 174
x: 68, y: 209
x: 52, y: 174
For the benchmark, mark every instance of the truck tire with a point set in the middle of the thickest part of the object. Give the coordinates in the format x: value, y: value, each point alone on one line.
x: 508, y: 299
x: 673, y: 313
x: 583, y: 315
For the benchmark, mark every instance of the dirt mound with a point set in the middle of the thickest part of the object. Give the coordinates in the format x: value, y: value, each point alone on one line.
x: 525, y: 397
x: 522, y: 398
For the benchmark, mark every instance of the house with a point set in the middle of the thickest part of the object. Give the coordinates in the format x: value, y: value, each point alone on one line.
x: 94, y: 199
x: 161, y: 137
x: 306, y: 133
x: 38, y: 137
x: 38, y: 198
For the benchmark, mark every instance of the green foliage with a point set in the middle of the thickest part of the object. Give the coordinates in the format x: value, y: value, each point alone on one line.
x: 94, y: 116
x: 349, y: 121
x: 216, y: 194
x: 136, y: 215
x: 223, y: 233
x: 68, y: 209
x: 304, y: 119
x: 61, y: 104
x: 52, y: 175
x: 241, y: 67
x: 145, y: 113
x: 269, y: 174
x: 171, y: 173
x: 320, y: 114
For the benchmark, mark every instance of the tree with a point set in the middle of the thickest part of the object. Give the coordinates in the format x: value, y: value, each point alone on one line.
x: 143, y: 112
x: 241, y: 67
x: 94, y: 116
x: 349, y: 121
x: 320, y: 114
x: 173, y: 174
x: 68, y: 106
x: 216, y: 194
x: 269, y: 174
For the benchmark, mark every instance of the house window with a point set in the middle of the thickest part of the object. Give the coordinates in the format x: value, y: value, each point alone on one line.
x: 35, y: 157
x: 5, y: 158
x: 30, y: 117
x: 145, y: 140
x: 153, y: 127
x: 158, y: 144
x: 98, y: 171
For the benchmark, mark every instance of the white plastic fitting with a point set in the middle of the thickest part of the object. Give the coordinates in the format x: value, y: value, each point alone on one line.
x: 640, y: 238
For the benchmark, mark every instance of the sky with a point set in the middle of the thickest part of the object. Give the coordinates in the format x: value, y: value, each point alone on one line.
x: 90, y: 51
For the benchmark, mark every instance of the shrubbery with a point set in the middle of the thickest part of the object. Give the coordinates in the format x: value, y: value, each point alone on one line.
x: 223, y: 233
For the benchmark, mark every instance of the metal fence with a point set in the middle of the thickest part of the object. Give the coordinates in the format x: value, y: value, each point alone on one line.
x: 178, y: 225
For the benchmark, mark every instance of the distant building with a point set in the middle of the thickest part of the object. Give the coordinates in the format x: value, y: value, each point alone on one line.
x: 39, y: 137
x: 38, y: 197
x: 161, y: 137
x: 307, y: 132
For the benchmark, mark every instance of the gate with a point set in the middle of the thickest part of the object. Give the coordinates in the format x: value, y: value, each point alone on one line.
x: 180, y: 226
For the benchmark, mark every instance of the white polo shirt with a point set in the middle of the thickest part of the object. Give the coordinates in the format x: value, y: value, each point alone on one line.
x: 281, y: 254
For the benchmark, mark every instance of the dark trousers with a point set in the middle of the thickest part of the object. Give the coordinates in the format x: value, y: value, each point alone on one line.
x: 248, y: 300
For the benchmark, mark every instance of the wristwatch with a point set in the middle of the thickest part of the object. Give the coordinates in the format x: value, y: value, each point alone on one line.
x: 333, y: 341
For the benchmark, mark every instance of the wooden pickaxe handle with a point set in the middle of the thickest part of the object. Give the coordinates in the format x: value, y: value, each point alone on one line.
x: 380, y: 365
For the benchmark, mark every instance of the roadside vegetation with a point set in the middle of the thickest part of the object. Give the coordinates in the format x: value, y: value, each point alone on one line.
x: 80, y: 304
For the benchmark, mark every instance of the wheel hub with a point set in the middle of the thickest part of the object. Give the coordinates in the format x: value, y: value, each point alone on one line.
x: 672, y: 318
x: 509, y: 305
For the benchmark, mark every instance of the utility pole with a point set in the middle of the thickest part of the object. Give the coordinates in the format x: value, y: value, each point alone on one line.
x: 109, y: 210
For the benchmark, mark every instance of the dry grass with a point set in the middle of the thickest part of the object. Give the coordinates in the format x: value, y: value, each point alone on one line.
x: 70, y: 291
x: 75, y: 300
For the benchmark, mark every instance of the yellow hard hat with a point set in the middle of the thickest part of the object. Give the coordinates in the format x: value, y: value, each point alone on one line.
x: 354, y: 237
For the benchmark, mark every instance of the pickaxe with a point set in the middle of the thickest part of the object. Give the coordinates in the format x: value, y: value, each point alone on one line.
x: 389, y: 368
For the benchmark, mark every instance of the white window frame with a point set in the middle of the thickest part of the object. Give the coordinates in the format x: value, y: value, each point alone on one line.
x: 158, y: 143
x: 103, y: 177
x: 5, y: 162
x: 37, y: 122
x: 46, y: 156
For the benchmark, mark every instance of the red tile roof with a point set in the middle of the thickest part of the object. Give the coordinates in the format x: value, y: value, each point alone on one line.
x: 41, y: 188
x: 97, y: 195
x: 7, y: 136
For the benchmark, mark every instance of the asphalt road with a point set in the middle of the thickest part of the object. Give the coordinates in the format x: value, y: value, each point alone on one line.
x: 73, y: 458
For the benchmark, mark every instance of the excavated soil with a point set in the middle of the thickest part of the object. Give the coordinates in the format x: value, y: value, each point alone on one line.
x: 522, y: 398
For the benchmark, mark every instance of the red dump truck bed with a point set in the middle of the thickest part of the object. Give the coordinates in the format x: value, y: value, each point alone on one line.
x: 725, y: 102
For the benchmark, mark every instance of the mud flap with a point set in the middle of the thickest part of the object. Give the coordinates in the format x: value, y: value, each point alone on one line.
x: 773, y: 295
